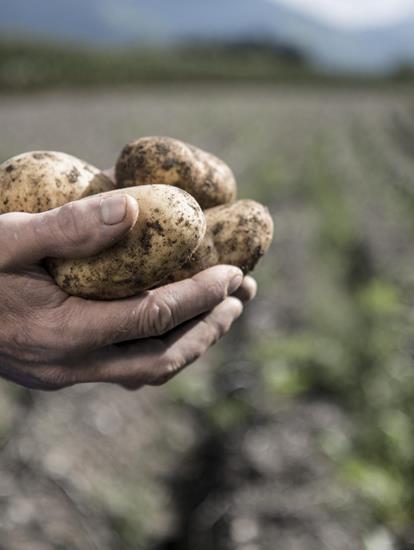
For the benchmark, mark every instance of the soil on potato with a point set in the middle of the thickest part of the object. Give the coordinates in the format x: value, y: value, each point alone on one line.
x: 243, y: 450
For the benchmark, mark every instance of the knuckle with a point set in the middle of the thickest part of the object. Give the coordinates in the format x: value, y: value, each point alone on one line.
x: 217, y: 330
x: 214, y: 288
x: 213, y: 334
x: 38, y: 378
x: 129, y: 325
x: 192, y: 355
x: 171, y: 365
x: 41, y: 375
x: 218, y: 290
x: 166, y: 369
x: 222, y: 328
x: 49, y: 378
x: 70, y: 227
x: 59, y: 379
x: 157, y: 317
x: 161, y: 378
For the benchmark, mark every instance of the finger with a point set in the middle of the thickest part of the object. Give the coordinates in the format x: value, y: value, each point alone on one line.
x: 188, y: 342
x: 183, y: 346
x: 77, y: 229
x: 93, y: 324
x: 155, y: 361
x: 247, y: 291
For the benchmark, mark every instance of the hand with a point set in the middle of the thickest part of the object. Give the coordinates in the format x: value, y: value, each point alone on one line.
x: 49, y: 340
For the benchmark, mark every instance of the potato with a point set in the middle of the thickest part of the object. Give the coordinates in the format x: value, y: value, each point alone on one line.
x: 238, y: 234
x: 169, y: 161
x: 41, y: 180
x: 170, y: 227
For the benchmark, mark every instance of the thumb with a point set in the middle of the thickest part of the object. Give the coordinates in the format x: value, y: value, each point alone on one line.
x: 75, y: 230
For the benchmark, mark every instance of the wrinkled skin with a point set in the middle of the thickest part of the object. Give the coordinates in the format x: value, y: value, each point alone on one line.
x: 49, y: 340
x: 170, y: 227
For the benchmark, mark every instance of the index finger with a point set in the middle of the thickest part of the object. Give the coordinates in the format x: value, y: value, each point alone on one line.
x: 92, y: 324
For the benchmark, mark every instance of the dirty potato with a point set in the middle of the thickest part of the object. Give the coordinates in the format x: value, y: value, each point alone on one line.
x: 169, y: 161
x: 170, y: 227
x: 242, y: 232
x: 238, y: 234
x: 41, y: 180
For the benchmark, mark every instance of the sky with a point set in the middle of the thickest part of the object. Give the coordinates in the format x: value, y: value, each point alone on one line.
x: 355, y: 13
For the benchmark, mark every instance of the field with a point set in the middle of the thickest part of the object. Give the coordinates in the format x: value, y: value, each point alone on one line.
x: 296, y: 432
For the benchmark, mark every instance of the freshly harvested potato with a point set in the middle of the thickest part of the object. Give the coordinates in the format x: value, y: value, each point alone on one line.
x: 41, y: 180
x: 170, y: 227
x: 242, y: 232
x: 238, y: 234
x: 166, y: 160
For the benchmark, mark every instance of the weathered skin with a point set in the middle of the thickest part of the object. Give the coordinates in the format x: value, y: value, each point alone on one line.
x: 169, y: 161
x: 169, y: 229
x: 237, y: 234
x: 41, y: 180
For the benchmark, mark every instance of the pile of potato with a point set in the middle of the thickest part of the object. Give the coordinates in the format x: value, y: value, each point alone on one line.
x: 188, y: 219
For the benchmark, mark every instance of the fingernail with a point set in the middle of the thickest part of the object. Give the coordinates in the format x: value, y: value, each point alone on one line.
x: 113, y: 209
x: 252, y: 286
x: 235, y: 283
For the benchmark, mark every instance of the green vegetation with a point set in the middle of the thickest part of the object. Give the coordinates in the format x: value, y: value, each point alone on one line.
x: 34, y: 65
x: 319, y: 369
x: 28, y: 66
x: 354, y: 343
x: 344, y: 271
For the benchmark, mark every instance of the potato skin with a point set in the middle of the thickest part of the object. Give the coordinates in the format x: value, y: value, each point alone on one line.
x: 242, y: 232
x: 237, y: 234
x: 41, y: 180
x: 169, y: 228
x: 169, y: 161
x: 204, y: 257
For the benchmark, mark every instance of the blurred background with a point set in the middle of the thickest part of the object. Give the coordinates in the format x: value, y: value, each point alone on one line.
x: 296, y: 432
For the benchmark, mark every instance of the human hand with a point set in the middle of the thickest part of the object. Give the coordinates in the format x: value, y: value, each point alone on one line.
x: 49, y: 340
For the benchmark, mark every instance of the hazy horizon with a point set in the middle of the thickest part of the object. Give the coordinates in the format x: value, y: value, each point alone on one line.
x: 353, y: 14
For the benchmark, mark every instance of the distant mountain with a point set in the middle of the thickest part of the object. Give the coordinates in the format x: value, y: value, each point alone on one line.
x: 123, y: 21
x: 102, y: 22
